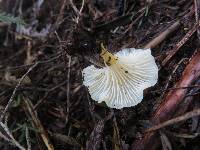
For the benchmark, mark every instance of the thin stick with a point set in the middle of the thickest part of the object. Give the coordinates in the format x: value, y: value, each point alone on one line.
x: 15, y: 90
x: 68, y: 87
x: 197, y: 10
x: 74, y: 7
x: 163, y: 35
x: 12, y: 139
x: 37, y: 123
x: 82, y: 6
x: 175, y: 120
x: 175, y: 88
x: 28, y: 139
x: 78, y: 12
x: 179, y: 45
x: 68, y: 79
x: 60, y: 16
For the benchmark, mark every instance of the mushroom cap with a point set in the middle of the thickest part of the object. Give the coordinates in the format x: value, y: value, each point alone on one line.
x: 121, y: 83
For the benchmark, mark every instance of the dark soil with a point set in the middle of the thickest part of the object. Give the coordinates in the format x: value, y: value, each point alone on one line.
x: 59, y: 38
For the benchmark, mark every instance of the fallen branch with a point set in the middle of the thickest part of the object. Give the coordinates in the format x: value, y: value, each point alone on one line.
x: 170, y: 103
x: 175, y: 120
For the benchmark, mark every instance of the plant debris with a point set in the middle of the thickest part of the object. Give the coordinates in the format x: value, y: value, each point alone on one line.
x: 45, y: 45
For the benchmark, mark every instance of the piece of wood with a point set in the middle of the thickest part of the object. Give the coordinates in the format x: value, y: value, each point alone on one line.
x: 170, y: 103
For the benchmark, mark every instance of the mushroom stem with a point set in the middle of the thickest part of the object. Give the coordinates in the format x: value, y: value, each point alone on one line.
x: 109, y: 59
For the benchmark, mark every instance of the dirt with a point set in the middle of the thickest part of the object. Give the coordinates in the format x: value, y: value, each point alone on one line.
x: 63, y: 37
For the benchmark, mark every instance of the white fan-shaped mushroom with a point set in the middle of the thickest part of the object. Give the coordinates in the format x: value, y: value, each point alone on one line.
x: 122, y: 81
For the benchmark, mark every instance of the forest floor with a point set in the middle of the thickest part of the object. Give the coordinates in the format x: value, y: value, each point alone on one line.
x: 45, y: 45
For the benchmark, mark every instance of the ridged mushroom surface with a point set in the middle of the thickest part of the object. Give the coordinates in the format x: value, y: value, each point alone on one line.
x: 123, y: 79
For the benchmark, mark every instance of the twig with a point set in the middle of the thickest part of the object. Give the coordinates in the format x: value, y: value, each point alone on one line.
x: 60, y: 16
x: 163, y: 35
x: 116, y: 135
x: 12, y: 139
x: 179, y: 45
x: 78, y: 12
x: 59, y: 19
x: 5, y: 138
x: 74, y: 7
x: 186, y: 136
x: 65, y: 139
x: 135, y: 20
x: 175, y: 88
x: 28, y: 139
x: 165, y: 141
x: 169, y: 80
x: 37, y: 124
x: 197, y: 11
x: 153, y: 43
x: 175, y: 120
x: 15, y: 90
x: 68, y: 87
x: 68, y: 79
x: 174, y: 71
x: 82, y: 6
